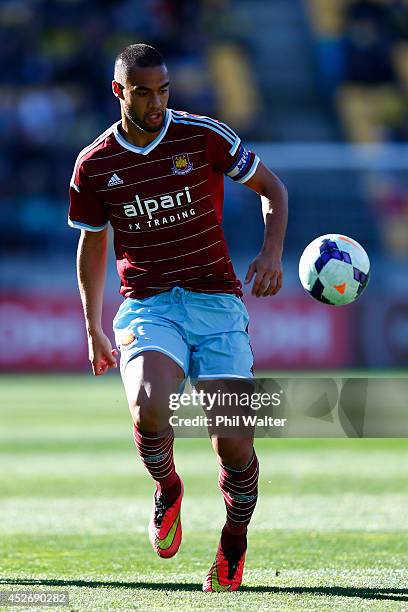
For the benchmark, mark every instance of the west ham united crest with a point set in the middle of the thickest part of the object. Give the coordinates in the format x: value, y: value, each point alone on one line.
x: 181, y: 164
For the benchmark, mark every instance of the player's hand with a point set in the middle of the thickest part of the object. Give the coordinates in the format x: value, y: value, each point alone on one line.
x: 101, y: 354
x: 267, y: 269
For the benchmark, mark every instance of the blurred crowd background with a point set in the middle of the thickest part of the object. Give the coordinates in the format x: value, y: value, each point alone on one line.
x: 318, y: 87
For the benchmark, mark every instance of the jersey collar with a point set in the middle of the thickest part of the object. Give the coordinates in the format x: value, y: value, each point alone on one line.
x: 143, y: 150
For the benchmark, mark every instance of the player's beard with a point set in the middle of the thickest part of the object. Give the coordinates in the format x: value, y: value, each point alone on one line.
x: 130, y: 114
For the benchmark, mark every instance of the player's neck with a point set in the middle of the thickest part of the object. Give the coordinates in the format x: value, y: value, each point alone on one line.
x: 136, y: 136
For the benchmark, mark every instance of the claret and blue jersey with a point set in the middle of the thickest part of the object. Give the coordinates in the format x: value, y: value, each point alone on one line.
x: 164, y: 202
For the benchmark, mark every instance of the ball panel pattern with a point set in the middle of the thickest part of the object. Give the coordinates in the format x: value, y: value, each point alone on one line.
x: 317, y: 292
x: 334, y: 269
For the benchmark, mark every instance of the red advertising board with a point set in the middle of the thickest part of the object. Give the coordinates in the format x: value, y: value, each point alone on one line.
x: 47, y: 333
x: 293, y: 331
x: 43, y: 333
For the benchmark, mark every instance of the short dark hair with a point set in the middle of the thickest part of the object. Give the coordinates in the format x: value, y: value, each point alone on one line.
x: 139, y: 54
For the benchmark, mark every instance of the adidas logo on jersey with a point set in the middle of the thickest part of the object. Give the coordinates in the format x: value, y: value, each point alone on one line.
x: 115, y: 180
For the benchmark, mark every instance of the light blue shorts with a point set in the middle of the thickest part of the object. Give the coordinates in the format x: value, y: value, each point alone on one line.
x: 206, y: 334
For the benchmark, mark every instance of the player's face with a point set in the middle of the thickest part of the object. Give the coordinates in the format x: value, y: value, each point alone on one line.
x: 145, y: 97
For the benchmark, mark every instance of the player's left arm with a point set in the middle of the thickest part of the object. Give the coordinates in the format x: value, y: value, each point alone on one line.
x: 267, y: 265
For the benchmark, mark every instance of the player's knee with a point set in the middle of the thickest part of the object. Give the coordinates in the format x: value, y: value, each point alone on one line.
x: 148, y: 412
x: 234, y: 453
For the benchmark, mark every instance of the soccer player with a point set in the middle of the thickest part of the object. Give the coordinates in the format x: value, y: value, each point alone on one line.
x: 157, y: 177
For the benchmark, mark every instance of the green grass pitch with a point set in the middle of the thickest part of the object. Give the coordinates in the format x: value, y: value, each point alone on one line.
x: 329, y: 531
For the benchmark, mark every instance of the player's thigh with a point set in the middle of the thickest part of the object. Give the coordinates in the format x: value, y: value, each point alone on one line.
x: 149, y: 380
x: 231, y: 436
x: 154, y: 357
x: 220, y: 336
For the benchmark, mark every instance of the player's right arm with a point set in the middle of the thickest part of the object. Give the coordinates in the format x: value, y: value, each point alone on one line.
x: 91, y: 273
x: 87, y: 212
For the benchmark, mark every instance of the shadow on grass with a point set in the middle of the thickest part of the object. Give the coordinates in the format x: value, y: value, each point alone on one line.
x: 334, y: 591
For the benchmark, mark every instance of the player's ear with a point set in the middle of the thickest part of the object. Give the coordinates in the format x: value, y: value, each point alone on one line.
x: 117, y: 89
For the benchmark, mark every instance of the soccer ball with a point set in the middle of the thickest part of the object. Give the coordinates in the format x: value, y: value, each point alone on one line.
x: 334, y: 269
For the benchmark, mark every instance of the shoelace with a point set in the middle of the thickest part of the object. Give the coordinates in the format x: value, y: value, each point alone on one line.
x: 160, y: 508
x: 233, y: 562
x: 232, y: 568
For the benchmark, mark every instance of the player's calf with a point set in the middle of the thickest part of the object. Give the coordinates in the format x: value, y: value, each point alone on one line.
x: 149, y: 379
x: 239, y: 488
